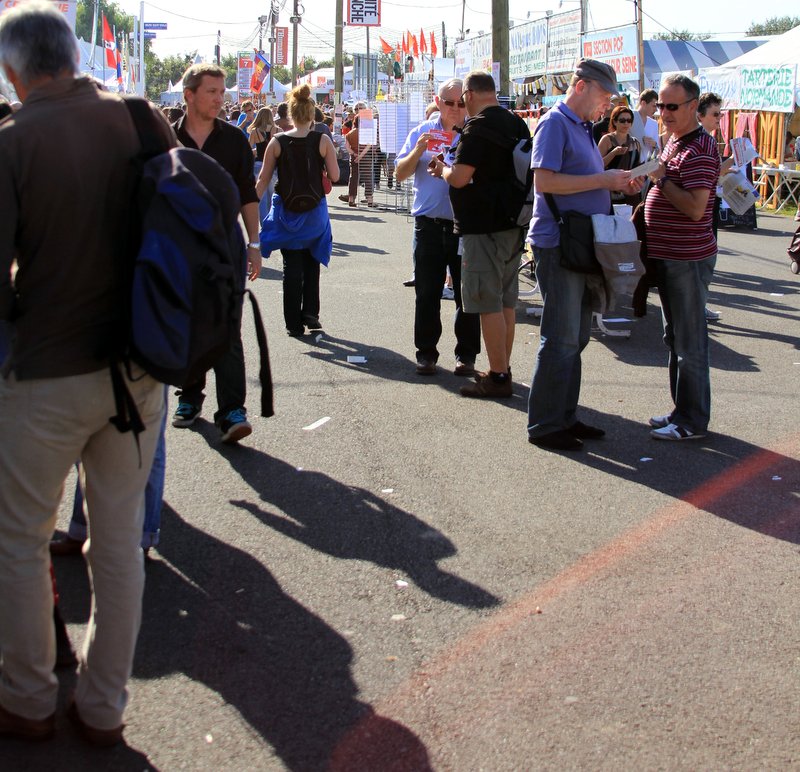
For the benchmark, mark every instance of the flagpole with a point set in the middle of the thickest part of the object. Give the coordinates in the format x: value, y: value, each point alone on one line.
x: 93, y: 58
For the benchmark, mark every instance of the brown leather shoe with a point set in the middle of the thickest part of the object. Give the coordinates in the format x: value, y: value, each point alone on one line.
x: 101, y: 738
x: 426, y: 367
x: 66, y: 546
x: 35, y: 730
x: 465, y: 369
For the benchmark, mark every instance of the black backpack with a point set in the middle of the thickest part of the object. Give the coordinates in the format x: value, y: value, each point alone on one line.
x: 184, y: 272
x: 300, y: 172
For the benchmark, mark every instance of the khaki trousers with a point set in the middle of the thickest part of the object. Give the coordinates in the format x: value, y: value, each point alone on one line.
x: 45, y: 426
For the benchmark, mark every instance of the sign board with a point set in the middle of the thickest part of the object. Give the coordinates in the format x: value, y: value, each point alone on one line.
x: 617, y: 47
x: 723, y: 81
x: 281, y: 45
x: 767, y: 88
x: 158, y: 25
x: 563, y: 41
x: 149, y: 35
x: 363, y: 13
x: 68, y: 7
x: 246, y: 61
x: 527, y: 49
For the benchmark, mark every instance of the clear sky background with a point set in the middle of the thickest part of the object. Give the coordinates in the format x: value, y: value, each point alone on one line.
x: 193, y: 25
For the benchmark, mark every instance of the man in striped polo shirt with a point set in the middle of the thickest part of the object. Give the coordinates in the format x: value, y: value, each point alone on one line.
x: 680, y: 236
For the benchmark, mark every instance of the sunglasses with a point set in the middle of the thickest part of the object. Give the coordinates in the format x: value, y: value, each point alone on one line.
x: 624, y: 120
x: 671, y: 107
x: 451, y: 103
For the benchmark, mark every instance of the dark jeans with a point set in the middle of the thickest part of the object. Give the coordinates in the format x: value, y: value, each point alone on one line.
x: 300, y: 288
x: 231, y: 388
x: 436, y: 249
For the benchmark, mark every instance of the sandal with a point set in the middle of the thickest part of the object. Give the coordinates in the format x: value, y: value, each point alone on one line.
x: 351, y: 203
x: 344, y: 198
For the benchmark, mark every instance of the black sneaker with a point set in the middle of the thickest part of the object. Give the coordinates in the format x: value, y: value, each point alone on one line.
x: 235, y: 426
x: 312, y: 322
x: 185, y: 415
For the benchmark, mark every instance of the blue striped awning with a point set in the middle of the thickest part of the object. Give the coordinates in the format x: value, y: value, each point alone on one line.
x: 674, y: 55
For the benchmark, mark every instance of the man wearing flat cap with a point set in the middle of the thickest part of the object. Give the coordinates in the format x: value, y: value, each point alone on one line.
x: 567, y: 166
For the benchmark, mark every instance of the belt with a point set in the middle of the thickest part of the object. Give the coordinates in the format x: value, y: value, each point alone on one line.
x: 437, y: 220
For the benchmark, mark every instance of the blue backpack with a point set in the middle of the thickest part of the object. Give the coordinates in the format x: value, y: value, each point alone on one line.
x: 184, y: 278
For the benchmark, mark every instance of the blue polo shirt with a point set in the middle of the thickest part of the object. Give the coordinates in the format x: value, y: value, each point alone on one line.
x: 431, y: 194
x: 563, y: 143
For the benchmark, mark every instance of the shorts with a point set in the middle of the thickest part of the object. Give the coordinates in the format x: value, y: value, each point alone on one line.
x: 489, y: 270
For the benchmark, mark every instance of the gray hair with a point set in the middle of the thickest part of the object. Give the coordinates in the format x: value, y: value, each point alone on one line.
x: 686, y: 83
x: 36, y: 41
x: 452, y: 83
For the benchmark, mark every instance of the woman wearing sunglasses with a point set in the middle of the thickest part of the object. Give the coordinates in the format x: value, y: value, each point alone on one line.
x: 620, y: 150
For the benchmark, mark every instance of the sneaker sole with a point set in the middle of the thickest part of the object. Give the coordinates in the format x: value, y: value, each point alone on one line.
x: 236, y: 433
x: 656, y: 436
x: 182, y: 423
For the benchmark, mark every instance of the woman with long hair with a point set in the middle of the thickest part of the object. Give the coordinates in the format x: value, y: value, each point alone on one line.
x: 620, y: 150
x: 295, y: 225
x: 261, y: 131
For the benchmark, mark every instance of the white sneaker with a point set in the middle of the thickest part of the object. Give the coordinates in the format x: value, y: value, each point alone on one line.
x: 660, y: 421
x: 675, y: 433
x: 712, y: 316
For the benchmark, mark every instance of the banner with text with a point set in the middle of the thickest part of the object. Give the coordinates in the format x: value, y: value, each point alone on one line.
x: 563, y: 46
x: 474, y: 54
x: 723, y: 81
x: 281, y: 45
x: 363, y: 13
x: 617, y: 47
x: 527, y: 49
x: 68, y: 7
x: 767, y: 88
x: 246, y: 66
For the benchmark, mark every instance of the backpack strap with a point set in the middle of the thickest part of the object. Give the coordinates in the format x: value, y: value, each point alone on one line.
x: 152, y: 142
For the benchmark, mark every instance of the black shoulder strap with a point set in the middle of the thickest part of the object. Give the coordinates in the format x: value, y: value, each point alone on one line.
x: 152, y: 141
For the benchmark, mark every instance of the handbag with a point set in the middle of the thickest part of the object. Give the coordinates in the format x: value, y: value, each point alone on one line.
x: 327, y: 185
x: 576, y: 240
x: 617, y: 250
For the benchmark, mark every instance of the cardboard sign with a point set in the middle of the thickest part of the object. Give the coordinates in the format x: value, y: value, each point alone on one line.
x: 440, y: 140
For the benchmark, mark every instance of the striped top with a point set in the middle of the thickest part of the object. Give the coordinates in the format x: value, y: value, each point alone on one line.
x: 671, y: 235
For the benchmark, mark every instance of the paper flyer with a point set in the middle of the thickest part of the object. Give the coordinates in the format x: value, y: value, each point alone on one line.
x: 440, y: 140
x: 743, y: 151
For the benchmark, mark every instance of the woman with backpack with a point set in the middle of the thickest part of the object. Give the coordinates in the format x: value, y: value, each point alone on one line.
x: 298, y: 222
x: 262, y: 130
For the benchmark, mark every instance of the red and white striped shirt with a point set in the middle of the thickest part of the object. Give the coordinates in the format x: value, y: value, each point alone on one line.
x: 671, y: 235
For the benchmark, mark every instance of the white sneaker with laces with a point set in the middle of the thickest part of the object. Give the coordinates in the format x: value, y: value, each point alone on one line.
x: 675, y: 433
x: 659, y: 421
x: 712, y: 316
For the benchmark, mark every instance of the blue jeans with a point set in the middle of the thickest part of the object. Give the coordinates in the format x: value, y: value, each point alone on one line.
x: 683, y: 289
x: 564, y: 333
x: 153, y: 497
x: 435, y: 250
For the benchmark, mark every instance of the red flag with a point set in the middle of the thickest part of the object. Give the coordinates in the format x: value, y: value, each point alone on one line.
x: 433, y: 45
x: 109, y: 45
x: 387, y: 49
x: 423, y: 46
x: 405, y: 44
x: 414, y: 46
x: 260, y: 72
x: 398, y: 52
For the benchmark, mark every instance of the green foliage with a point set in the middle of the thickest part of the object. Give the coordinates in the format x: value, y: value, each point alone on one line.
x: 115, y: 15
x: 682, y: 35
x: 161, y: 71
x: 777, y: 25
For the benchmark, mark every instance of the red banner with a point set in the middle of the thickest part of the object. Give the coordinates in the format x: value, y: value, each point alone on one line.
x: 281, y: 46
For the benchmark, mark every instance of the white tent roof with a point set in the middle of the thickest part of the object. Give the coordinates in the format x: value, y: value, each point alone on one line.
x: 782, y: 50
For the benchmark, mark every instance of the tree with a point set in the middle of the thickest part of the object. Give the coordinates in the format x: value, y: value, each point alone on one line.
x: 117, y: 18
x: 682, y: 35
x: 777, y: 25
x: 161, y: 71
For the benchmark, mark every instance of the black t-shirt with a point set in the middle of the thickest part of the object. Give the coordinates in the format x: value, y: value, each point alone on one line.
x: 229, y: 147
x: 478, y: 206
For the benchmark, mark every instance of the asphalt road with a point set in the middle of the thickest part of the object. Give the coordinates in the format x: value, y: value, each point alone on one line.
x: 411, y: 585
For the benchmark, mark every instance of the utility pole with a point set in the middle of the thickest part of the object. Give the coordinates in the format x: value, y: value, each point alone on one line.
x: 273, y: 16
x: 295, y: 20
x: 218, y: 48
x: 338, y: 55
x: 444, y: 43
x: 500, y: 41
x: 637, y: 5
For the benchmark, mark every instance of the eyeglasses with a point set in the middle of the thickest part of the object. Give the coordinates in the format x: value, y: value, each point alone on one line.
x: 451, y: 103
x: 464, y: 93
x: 671, y: 107
x: 624, y: 120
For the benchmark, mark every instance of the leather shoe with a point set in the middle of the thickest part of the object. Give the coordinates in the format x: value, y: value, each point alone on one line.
x: 66, y: 546
x: 100, y: 738
x: 21, y: 728
x: 465, y: 369
x: 559, y: 440
x: 585, y: 432
x: 426, y: 367
x: 410, y: 283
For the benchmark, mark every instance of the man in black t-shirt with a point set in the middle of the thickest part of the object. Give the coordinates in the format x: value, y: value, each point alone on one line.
x: 481, y: 179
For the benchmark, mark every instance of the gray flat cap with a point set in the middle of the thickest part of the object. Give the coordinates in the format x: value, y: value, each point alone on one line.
x: 601, y: 73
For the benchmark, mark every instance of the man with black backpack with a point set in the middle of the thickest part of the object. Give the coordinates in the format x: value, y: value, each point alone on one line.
x: 204, y: 92
x: 62, y: 265
x: 487, y: 202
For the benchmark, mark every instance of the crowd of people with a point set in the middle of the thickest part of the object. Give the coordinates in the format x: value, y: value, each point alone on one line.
x: 59, y: 282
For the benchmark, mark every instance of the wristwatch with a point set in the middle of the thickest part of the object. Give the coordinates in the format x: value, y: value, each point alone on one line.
x: 253, y: 245
x: 660, y: 183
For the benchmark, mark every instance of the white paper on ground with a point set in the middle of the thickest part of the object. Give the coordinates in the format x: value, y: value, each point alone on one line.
x: 317, y: 424
x: 355, y: 360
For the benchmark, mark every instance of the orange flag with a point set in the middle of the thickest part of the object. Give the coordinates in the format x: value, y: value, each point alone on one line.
x: 423, y: 46
x: 414, y: 46
x: 405, y: 44
x: 387, y: 49
x: 433, y: 45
